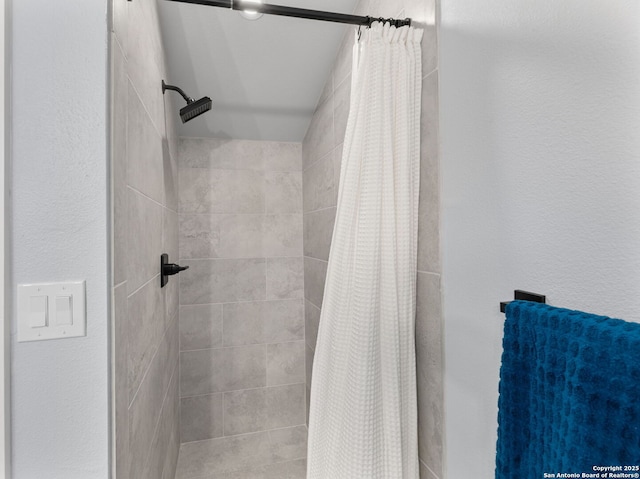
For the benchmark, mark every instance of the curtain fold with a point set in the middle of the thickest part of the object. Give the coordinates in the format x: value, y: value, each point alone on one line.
x: 363, y: 416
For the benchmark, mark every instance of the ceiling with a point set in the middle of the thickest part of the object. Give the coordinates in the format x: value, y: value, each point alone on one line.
x: 264, y: 76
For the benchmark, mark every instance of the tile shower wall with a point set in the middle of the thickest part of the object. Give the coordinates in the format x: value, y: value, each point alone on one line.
x: 241, y: 300
x: 144, y: 196
x: 321, y: 156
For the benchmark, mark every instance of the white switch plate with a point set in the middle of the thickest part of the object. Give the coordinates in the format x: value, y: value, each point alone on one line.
x: 51, y: 311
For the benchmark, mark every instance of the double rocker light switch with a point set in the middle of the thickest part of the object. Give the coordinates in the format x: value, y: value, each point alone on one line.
x: 51, y: 311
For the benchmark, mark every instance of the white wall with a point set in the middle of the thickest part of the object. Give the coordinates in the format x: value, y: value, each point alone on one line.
x: 540, y: 105
x: 59, y: 232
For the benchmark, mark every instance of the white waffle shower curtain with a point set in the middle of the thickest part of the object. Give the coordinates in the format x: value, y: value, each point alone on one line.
x: 363, y: 417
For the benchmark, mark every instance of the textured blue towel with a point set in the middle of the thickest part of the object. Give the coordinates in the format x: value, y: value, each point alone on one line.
x: 569, y: 392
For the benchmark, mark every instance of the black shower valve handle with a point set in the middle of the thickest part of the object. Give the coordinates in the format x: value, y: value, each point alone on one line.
x: 171, y: 268
x: 168, y: 269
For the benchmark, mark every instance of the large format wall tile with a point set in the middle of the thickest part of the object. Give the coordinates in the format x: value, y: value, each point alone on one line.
x: 341, y: 101
x: 315, y: 272
x: 343, y: 64
x: 200, y: 326
x: 146, y: 407
x: 265, y: 408
x: 170, y: 246
x: 218, y: 153
x: 145, y: 57
x: 221, y: 191
x: 119, y: 15
x: 170, y: 168
x: 121, y: 393
x: 144, y: 239
x: 144, y: 151
x: 429, y: 209
x: 145, y: 224
x: 201, y: 417
x: 320, y: 136
x: 285, y: 278
x: 221, y: 236
x: 242, y: 324
x: 282, y: 235
x: 120, y: 88
x: 145, y: 328
x: 166, y: 429
x: 262, y: 322
x: 222, y: 280
x: 285, y: 363
x: 311, y: 323
x: 337, y: 169
x: 204, y: 458
x: 284, y: 321
x: 215, y: 370
x: 283, y: 191
x: 310, y: 353
x: 429, y: 360
x: 318, y: 230
x: 240, y: 236
x: 319, y: 184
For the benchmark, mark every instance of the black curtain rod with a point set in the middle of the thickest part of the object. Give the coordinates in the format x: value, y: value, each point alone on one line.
x: 297, y: 12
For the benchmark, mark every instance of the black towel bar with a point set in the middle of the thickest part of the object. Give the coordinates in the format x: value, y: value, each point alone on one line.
x: 520, y: 295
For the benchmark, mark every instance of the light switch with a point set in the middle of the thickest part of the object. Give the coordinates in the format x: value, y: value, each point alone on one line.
x: 51, y: 311
x: 38, y: 311
x: 64, y: 312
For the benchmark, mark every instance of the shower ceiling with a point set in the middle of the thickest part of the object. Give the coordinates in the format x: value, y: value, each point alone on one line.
x: 264, y: 76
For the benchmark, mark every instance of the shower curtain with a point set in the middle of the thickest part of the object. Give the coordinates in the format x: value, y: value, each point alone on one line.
x: 363, y: 416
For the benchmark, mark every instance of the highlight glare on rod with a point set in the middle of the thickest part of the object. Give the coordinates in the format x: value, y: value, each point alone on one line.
x: 268, y: 9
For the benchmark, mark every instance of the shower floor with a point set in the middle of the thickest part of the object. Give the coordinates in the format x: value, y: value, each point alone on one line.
x: 274, y: 454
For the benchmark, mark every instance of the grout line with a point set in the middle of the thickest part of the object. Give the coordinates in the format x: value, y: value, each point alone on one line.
x: 266, y: 367
x: 290, y: 300
x: 236, y: 140
x: 242, y: 346
x: 259, y: 388
x: 318, y: 160
x: 145, y: 195
x: 224, y: 409
x: 320, y: 209
x: 154, y: 278
x: 144, y: 106
x: 171, y: 209
x: 156, y: 428
x: 431, y: 273
x: 262, y: 431
x: 258, y: 214
x: 151, y: 362
x: 213, y: 168
x: 430, y: 73
x: 241, y: 258
x: 316, y: 259
x: 307, y: 301
x: 339, y: 85
x: 429, y: 469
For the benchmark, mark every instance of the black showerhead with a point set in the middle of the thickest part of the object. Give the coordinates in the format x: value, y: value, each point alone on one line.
x: 194, y: 107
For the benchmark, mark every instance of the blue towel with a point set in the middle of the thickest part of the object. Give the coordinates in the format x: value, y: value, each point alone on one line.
x: 569, y: 393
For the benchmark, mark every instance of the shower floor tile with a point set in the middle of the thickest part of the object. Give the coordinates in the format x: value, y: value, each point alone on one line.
x: 279, y: 453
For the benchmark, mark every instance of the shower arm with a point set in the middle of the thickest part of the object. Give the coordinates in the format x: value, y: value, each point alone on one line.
x: 179, y: 90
